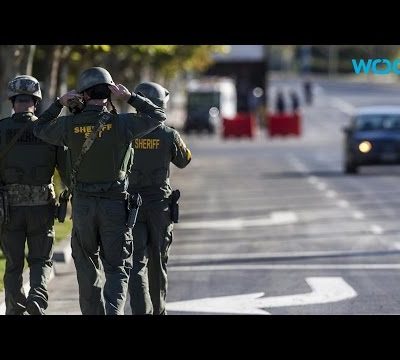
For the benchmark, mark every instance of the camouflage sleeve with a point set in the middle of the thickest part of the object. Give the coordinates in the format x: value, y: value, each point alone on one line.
x: 62, y: 153
x: 51, y: 128
x: 181, y: 155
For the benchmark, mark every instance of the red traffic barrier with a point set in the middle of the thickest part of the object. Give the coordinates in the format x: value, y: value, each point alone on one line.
x: 243, y: 124
x: 284, y: 124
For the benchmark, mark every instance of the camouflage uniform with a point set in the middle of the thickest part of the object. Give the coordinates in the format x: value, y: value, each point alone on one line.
x: 100, y: 237
x: 152, y: 234
x: 26, y: 175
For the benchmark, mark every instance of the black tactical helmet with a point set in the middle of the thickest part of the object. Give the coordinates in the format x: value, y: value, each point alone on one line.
x: 93, y: 76
x: 155, y: 92
x: 24, y: 85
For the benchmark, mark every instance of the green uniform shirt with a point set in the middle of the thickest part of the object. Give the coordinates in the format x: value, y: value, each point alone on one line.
x: 103, y: 170
x: 151, y: 165
x: 30, y: 161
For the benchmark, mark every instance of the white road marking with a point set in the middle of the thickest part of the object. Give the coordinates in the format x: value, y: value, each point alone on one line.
x: 358, y: 215
x: 376, y: 229
x: 342, y: 105
x: 297, y: 164
x: 275, y: 218
x: 331, y: 194
x: 323, y: 290
x: 343, y: 203
x: 312, y: 180
x: 321, y: 186
x: 241, y: 267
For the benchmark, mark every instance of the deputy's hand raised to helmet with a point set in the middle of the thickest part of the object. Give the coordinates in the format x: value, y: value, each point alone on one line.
x: 68, y: 96
x: 120, y: 92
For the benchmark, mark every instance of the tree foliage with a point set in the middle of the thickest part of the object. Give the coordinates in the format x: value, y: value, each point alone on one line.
x: 58, y: 66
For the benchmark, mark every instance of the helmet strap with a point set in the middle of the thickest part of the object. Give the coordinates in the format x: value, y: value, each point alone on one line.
x: 113, y: 109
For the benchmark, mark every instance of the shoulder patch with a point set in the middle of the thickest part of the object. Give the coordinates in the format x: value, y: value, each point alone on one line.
x: 179, y: 140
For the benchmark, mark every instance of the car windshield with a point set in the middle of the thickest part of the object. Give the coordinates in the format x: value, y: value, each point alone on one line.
x: 377, y: 122
x: 203, y: 100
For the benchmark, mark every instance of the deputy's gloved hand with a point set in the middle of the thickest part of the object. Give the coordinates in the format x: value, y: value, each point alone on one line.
x: 69, y: 96
x: 120, y: 92
x: 144, y: 105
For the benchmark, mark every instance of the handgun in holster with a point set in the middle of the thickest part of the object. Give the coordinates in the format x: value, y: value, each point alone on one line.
x: 61, y: 208
x: 134, y: 203
x: 174, y: 205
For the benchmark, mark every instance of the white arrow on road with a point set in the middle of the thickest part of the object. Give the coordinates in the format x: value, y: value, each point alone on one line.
x: 324, y: 290
x: 276, y: 218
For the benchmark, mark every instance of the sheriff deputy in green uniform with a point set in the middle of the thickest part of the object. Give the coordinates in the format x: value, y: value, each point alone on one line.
x: 152, y: 234
x: 27, y: 199
x: 100, y: 210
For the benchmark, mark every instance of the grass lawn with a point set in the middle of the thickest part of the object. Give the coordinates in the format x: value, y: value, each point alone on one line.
x: 62, y: 229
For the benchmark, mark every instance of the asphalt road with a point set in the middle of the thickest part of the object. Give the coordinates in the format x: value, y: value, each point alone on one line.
x: 273, y: 226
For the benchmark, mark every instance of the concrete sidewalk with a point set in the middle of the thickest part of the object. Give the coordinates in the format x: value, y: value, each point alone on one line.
x: 63, y: 284
x: 64, y: 294
x: 65, y: 275
x: 63, y: 291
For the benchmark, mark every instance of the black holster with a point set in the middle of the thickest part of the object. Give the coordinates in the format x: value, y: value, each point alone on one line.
x: 61, y: 208
x: 4, y: 208
x: 174, y: 205
x: 134, y: 203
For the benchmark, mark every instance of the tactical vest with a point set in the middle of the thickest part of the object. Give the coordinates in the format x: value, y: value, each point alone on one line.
x: 150, y: 170
x: 105, y: 165
x: 30, y: 161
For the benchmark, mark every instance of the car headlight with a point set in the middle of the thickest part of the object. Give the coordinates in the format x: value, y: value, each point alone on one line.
x: 365, y: 147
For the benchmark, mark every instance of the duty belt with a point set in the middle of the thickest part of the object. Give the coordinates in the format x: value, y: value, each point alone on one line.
x: 29, y: 195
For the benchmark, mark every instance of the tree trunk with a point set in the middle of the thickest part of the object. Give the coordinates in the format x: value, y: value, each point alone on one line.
x: 55, y: 65
x: 62, y: 80
x: 10, y: 61
x: 29, y: 59
x: 51, y: 82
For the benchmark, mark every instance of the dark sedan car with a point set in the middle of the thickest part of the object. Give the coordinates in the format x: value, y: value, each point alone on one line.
x: 373, y: 138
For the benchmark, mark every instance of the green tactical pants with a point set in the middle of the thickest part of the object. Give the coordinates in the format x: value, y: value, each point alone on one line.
x: 152, y: 238
x: 102, y: 251
x: 34, y: 225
